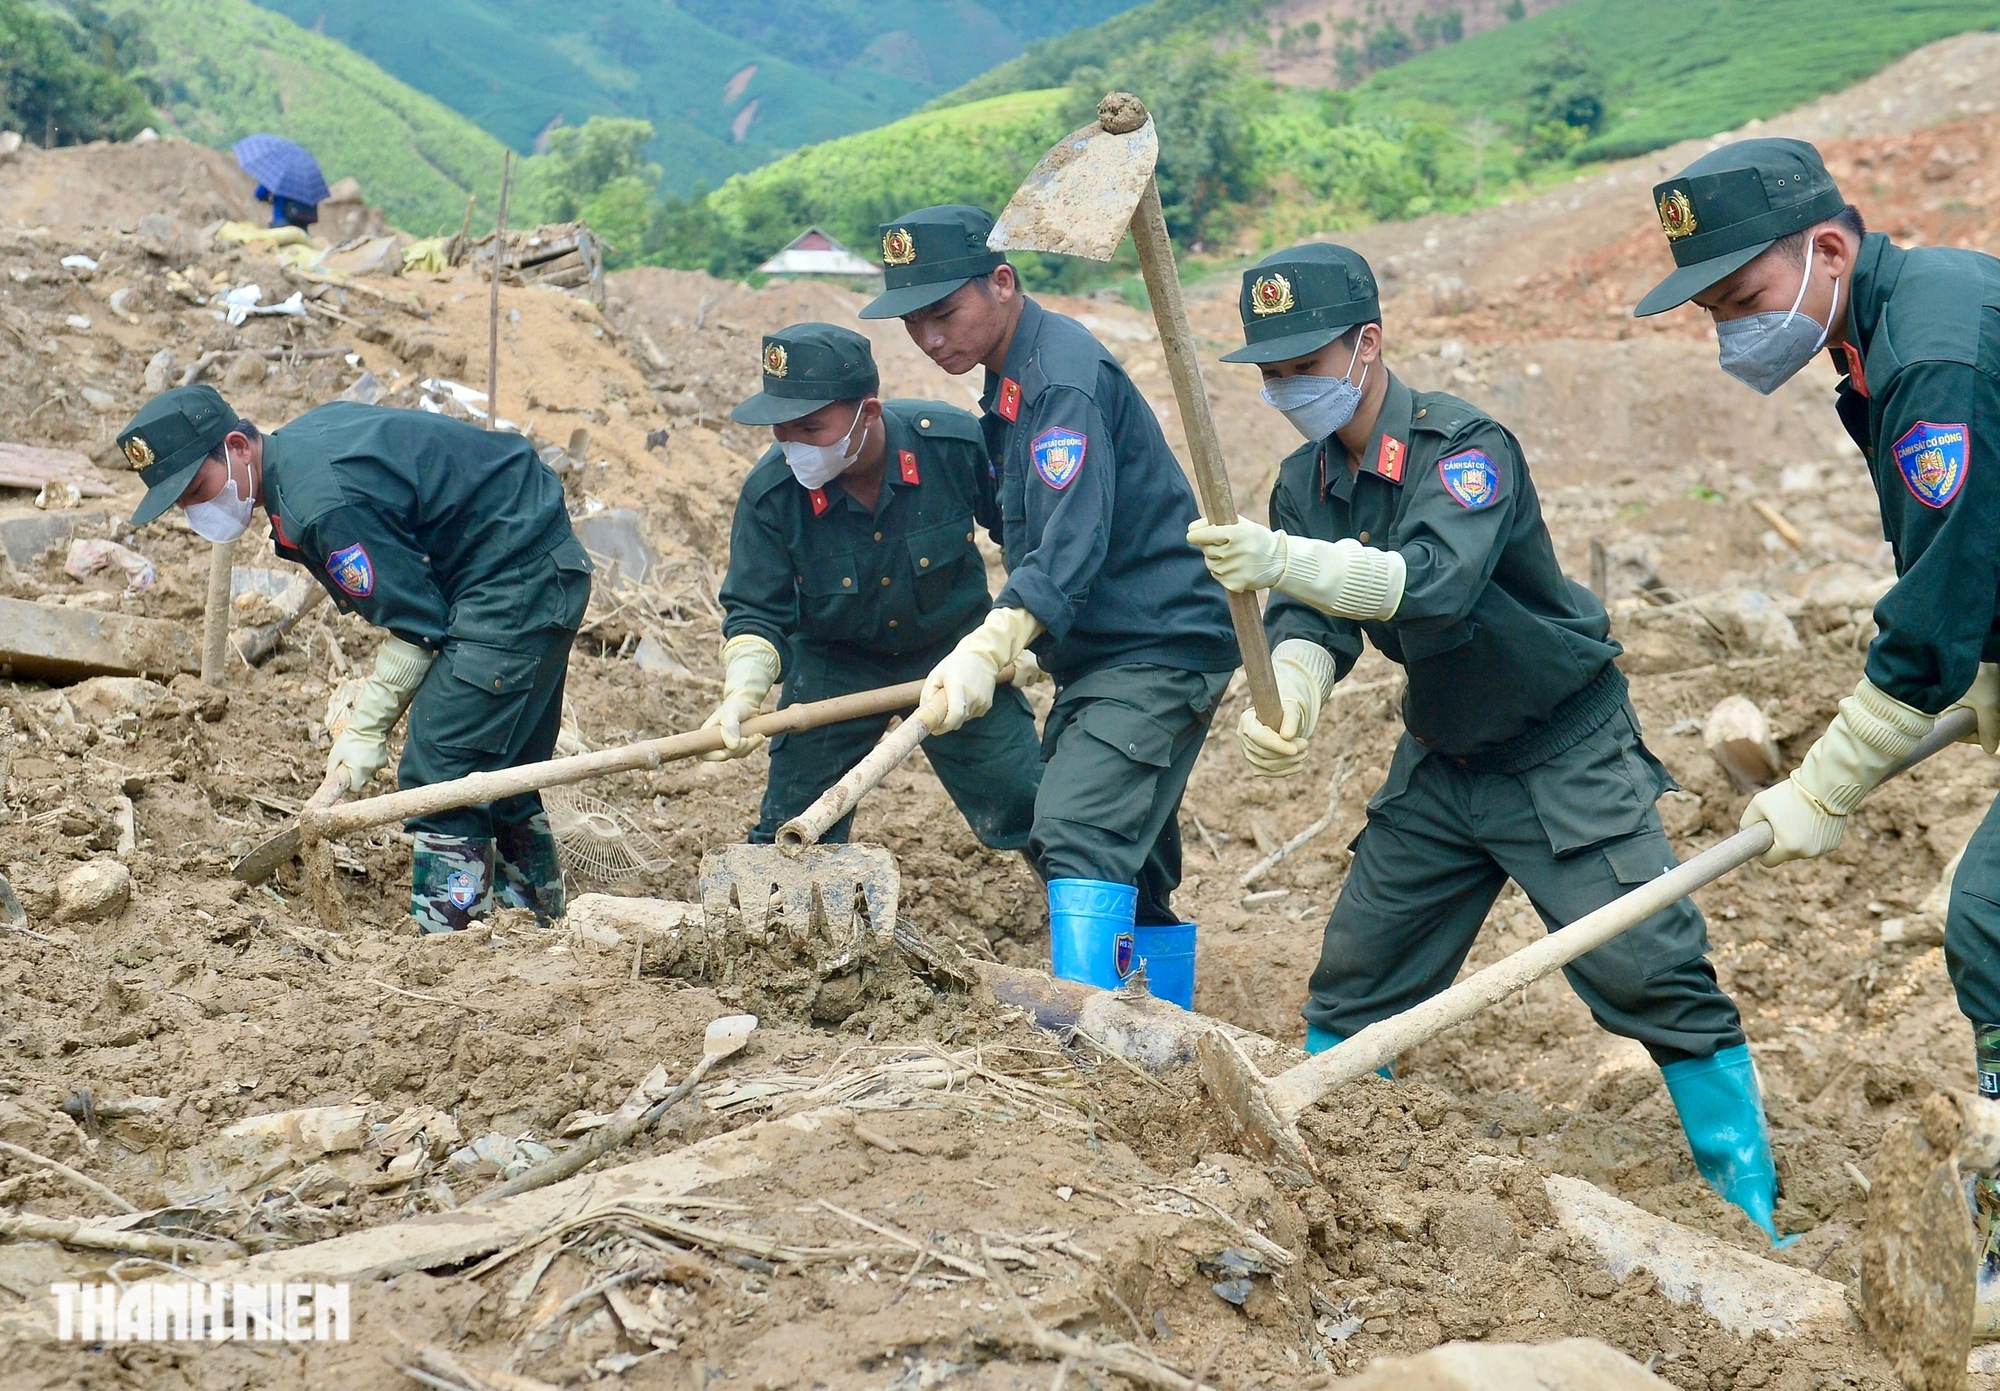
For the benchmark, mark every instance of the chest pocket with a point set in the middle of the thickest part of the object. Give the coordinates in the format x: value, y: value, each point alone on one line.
x: 829, y: 586
x: 1419, y: 644
x: 937, y: 561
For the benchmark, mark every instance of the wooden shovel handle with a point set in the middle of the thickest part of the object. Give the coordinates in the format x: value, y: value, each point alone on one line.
x: 1379, y: 1044
x: 898, y: 744
x: 1211, y: 477
x: 559, y: 772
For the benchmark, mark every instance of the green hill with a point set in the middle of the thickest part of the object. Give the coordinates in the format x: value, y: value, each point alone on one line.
x: 728, y: 86
x: 226, y: 69
x: 1675, y: 71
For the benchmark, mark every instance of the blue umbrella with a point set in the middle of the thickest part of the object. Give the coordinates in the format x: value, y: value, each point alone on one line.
x: 288, y: 170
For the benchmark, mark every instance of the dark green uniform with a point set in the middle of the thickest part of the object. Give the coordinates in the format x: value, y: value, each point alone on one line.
x: 854, y: 599
x: 1095, y: 510
x: 1521, y: 758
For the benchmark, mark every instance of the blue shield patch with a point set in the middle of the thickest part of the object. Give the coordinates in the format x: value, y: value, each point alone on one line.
x: 461, y: 888
x: 1933, y: 460
x: 1058, y: 455
x: 1122, y: 949
x: 1470, y: 478
x: 352, y: 570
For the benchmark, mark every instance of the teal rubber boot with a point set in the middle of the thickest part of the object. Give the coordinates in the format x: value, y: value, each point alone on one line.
x: 1318, y: 1040
x: 1723, y: 1117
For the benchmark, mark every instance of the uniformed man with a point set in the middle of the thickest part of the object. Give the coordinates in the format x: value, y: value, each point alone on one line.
x: 1410, y: 517
x: 1092, y: 507
x: 1763, y: 240
x: 453, y: 538
x: 852, y: 566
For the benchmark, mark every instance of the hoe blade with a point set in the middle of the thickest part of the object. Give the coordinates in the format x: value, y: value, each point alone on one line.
x: 834, y: 892
x: 1079, y: 200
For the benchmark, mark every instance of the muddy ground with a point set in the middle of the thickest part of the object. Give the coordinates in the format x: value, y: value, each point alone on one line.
x: 138, y: 1031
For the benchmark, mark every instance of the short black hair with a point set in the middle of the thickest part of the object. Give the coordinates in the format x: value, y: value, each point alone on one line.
x: 243, y: 427
x: 1793, y: 246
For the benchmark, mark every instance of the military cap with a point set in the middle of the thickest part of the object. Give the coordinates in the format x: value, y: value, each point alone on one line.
x: 808, y: 366
x: 929, y: 253
x: 1298, y: 300
x: 1723, y: 210
x: 168, y: 439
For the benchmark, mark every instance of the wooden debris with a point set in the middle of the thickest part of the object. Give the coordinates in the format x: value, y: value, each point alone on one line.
x: 1919, y: 1256
x: 97, y: 1236
x: 56, y: 1166
x: 25, y: 466
x: 61, y: 645
x: 1780, y: 523
x: 1738, y: 737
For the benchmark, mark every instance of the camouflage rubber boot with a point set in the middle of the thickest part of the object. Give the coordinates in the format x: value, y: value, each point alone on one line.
x: 529, y: 874
x: 451, y: 881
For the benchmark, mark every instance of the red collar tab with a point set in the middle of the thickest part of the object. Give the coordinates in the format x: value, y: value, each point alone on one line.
x: 1008, y: 406
x: 1857, y: 375
x: 819, y: 501
x: 1389, y: 459
x: 907, y: 460
x: 278, y: 531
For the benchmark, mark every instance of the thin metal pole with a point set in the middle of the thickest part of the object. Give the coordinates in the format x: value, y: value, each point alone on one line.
x: 493, y: 299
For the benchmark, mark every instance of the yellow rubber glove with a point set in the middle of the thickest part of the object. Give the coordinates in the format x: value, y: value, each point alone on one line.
x: 1027, y: 671
x: 361, y: 749
x: 1983, y: 700
x: 750, y: 667
x: 1344, y: 577
x: 967, y: 675
x: 1872, y: 733
x: 1243, y: 556
x: 1305, y: 673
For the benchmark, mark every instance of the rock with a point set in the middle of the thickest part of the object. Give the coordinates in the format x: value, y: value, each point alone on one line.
x: 157, y: 367
x: 369, y: 256
x: 25, y: 539
x: 1916, y: 1243
x: 1451, y: 295
x: 65, y: 644
x: 366, y: 389
x: 1750, y: 620
x: 1745, y: 1293
x: 618, y: 544
x: 97, y: 398
x: 110, y: 700
x: 1738, y: 736
x: 246, y: 371
x: 10, y: 144
x: 654, y: 659
x: 99, y: 889
x: 1574, y: 1364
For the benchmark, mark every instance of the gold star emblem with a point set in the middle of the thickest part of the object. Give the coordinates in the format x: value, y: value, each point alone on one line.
x: 1676, y: 215
x: 776, y: 363
x: 138, y: 453
x: 1272, y: 294
x: 899, y: 248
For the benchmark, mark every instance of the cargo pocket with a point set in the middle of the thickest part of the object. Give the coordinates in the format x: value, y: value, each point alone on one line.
x: 479, y: 706
x: 1674, y: 935
x: 1107, y: 768
x: 1597, y: 790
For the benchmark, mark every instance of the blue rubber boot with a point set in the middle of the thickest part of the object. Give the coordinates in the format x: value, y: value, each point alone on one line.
x: 1090, y: 931
x: 1723, y: 1117
x: 1318, y: 1040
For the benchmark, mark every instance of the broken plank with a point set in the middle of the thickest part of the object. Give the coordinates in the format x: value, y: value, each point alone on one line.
x: 50, y: 643
x: 25, y: 466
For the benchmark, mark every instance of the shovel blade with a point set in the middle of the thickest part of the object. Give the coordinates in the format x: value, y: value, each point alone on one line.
x: 1079, y: 200
x: 263, y: 861
x: 1244, y: 1096
x: 821, y: 891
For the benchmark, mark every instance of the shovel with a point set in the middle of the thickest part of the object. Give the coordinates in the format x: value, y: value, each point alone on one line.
x: 1093, y: 186
x: 1265, y: 1111
x: 820, y: 890
x: 262, y: 862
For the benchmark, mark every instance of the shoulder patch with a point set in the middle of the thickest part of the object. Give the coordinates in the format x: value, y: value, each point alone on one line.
x: 1008, y: 404
x: 1058, y: 454
x: 352, y: 570
x: 1933, y: 460
x: 906, y: 461
x: 1470, y: 478
x: 1389, y: 460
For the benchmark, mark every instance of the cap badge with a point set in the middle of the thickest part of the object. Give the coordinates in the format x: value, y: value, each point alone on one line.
x: 776, y: 361
x: 138, y: 453
x: 1676, y: 215
x: 1272, y: 294
x: 899, y: 248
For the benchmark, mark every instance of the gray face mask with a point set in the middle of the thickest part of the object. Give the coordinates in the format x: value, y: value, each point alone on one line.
x: 1764, y: 351
x: 1317, y: 406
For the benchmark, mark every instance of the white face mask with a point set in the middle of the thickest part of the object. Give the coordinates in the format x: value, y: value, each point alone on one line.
x: 816, y: 465
x: 223, y: 517
x: 1317, y: 406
